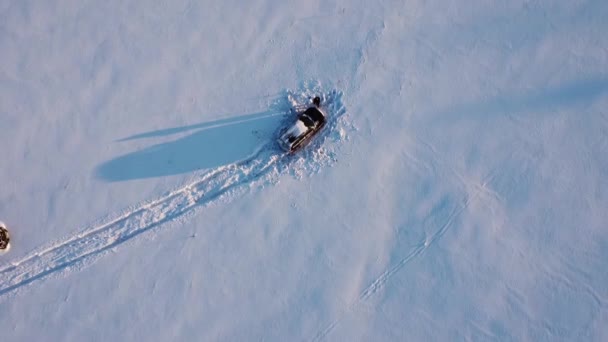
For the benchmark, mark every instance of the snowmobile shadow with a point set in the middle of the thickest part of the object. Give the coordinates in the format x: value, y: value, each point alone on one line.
x: 213, y: 144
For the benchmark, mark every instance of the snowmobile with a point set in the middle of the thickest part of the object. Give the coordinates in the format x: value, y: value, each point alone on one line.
x: 308, y: 124
x: 5, y: 239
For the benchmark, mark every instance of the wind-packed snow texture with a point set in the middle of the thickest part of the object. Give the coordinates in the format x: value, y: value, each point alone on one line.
x: 458, y: 191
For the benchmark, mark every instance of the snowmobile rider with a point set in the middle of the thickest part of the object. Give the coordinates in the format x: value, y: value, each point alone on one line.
x: 312, y: 114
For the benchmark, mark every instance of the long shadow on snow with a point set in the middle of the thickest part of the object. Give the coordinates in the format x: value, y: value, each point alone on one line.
x: 213, y: 144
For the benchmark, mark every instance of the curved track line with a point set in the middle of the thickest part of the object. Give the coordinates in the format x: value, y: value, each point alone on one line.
x: 380, y: 281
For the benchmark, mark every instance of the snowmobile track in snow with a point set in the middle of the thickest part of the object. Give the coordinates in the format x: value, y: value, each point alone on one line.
x: 84, y: 248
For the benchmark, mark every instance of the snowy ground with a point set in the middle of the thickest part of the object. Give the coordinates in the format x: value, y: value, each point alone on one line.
x: 458, y: 193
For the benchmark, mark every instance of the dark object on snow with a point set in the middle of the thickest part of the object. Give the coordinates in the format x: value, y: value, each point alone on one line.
x: 317, y: 101
x: 5, y: 238
x: 308, y: 124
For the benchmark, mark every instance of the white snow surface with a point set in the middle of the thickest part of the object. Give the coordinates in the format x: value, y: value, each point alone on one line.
x: 458, y: 192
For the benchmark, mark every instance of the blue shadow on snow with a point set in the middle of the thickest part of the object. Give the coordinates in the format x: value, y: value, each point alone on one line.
x: 213, y: 144
x: 582, y: 91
